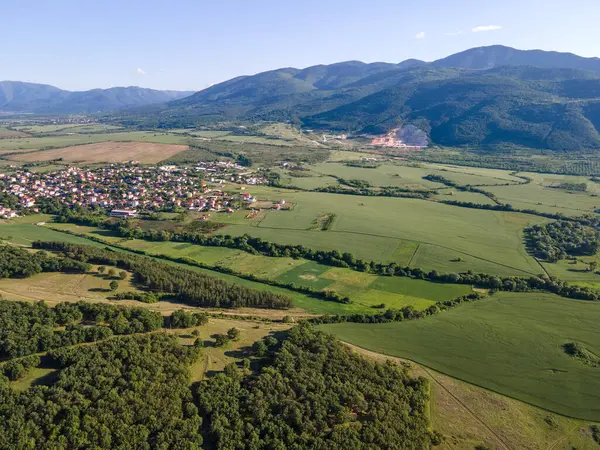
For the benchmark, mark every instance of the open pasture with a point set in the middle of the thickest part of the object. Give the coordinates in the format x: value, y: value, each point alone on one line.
x: 214, y: 359
x: 365, y: 290
x: 54, y: 288
x: 145, y: 152
x: 33, y: 143
x: 373, y: 228
x: 6, y: 133
x: 540, y: 196
x: 510, y: 343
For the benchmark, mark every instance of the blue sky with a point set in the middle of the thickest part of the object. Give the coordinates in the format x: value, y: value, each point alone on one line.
x: 190, y: 44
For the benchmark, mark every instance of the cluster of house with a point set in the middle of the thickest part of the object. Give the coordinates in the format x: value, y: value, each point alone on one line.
x: 7, y: 213
x: 124, y: 189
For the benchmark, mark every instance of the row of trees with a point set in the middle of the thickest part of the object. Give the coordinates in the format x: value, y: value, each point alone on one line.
x: 150, y: 297
x: 557, y: 240
x: 186, y: 286
x: 255, y: 245
x: 397, y: 315
x: 384, y: 191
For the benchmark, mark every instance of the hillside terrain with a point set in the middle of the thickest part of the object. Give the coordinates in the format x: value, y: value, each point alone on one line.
x: 487, y: 97
x: 16, y: 96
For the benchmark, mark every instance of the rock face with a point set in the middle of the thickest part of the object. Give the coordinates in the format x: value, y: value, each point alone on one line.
x: 412, y: 136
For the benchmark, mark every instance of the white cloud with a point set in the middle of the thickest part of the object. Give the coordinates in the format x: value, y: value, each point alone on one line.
x: 455, y: 33
x: 141, y: 71
x: 481, y: 28
x: 420, y: 35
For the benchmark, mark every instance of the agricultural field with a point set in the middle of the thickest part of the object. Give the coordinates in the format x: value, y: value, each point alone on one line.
x: 469, y: 416
x: 380, y: 229
x: 144, y: 152
x: 33, y: 143
x: 509, y: 343
x: 411, y: 176
x: 67, y: 128
x: 6, y: 133
x: 366, y: 291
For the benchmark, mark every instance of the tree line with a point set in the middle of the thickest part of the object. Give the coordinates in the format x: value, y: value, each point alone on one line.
x: 258, y: 246
x: 185, y: 285
x: 153, y: 297
x: 397, y: 315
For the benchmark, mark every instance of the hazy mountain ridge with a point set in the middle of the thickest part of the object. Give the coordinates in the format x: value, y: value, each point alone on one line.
x: 483, y: 97
x: 17, y: 96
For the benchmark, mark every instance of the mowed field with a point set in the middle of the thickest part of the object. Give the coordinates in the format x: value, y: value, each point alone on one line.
x: 412, y: 232
x: 146, y: 152
x: 6, y: 133
x: 55, y: 288
x: 509, y: 343
x: 57, y: 141
x: 365, y: 290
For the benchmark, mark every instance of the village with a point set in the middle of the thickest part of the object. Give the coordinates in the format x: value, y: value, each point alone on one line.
x: 124, y: 190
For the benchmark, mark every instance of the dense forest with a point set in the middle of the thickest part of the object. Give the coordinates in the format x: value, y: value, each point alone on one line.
x: 187, y: 286
x: 16, y: 262
x: 317, y: 394
x: 130, y: 393
x: 134, y: 392
x: 557, y: 240
x: 27, y: 328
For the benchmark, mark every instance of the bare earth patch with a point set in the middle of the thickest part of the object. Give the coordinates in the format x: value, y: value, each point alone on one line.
x: 145, y: 152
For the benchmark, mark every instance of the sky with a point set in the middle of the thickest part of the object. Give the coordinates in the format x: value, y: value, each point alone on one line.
x: 192, y: 44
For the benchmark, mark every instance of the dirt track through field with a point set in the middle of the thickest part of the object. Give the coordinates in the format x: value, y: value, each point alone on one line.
x: 145, y: 152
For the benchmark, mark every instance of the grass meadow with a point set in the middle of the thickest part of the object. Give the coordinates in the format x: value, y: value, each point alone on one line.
x: 33, y: 143
x: 383, y: 229
x: 365, y: 290
x: 509, y: 343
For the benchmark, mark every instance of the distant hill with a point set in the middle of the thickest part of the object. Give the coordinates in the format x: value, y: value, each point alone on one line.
x: 488, y: 96
x: 17, y: 96
x: 499, y: 55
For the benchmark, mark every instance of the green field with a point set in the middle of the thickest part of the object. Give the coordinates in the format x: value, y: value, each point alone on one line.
x: 378, y: 228
x: 389, y: 174
x: 365, y: 290
x: 509, y: 343
x: 32, y: 143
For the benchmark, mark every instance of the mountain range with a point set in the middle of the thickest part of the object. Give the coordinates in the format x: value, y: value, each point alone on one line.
x: 485, y: 97
x: 20, y: 97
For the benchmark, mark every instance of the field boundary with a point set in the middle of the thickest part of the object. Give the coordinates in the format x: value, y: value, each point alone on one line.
x: 478, y: 385
x: 401, y: 239
x: 367, y: 353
